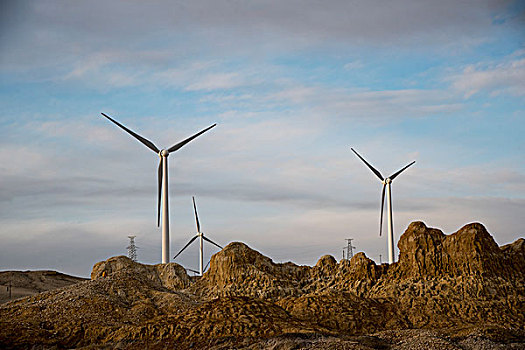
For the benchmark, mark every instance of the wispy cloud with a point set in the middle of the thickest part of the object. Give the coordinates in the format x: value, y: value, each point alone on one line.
x: 369, y: 105
x: 217, y: 81
x: 494, y: 78
x: 354, y: 65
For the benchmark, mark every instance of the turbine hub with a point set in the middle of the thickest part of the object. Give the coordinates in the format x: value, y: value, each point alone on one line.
x: 164, y: 153
x: 387, y: 181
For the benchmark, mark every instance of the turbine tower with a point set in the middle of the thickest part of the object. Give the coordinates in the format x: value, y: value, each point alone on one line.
x: 162, y: 181
x: 386, y: 184
x: 201, y: 237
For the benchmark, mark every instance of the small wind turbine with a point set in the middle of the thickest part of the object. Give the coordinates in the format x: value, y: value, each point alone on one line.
x: 162, y: 182
x: 386, y: 184
x: 201, y: 237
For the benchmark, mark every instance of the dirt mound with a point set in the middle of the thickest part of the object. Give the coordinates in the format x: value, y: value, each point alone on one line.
x: 458, y: 284
x: 171, y: 276
x: 90, y: 312
x: 25, y: 283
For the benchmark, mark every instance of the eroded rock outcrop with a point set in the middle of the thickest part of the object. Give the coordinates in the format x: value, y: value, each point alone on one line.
x: 239, y: 270
x: 171, y: 276
x: 427, y: 252
x: 447, y: 282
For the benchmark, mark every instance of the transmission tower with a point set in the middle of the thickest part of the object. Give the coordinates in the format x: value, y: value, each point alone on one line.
x: 132, y: 248
x: 349, y: 248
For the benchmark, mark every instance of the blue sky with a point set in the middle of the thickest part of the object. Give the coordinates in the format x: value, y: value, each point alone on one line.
x: 292, y: 86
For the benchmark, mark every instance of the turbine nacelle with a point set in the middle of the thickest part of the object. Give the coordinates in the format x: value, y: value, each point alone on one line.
x: 386, y: 181
x: 164, y: 153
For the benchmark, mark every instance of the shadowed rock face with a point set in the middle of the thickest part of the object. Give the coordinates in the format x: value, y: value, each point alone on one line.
x: 514, y: 254
x: 448, y: 282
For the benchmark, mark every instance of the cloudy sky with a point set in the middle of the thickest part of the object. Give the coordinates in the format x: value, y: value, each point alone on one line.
x: 292, y: 86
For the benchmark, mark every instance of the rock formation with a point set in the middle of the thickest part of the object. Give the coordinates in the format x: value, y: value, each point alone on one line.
x: 451, y: 286
x: 171, y: 276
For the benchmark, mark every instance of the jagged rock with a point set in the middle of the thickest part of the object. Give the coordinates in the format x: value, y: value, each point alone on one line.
x: 358, y: 274
x: 239, y: 270
x: 363, y: 268
x: 326, y: 263
x: 427, y: 252
x: 420, y: 251
x: 441, y: 281
x: 473, y: 251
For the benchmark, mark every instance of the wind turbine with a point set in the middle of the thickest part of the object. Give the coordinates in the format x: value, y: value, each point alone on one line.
x: 201, y: 237
x: 162, y: 181
x: 386, y: 184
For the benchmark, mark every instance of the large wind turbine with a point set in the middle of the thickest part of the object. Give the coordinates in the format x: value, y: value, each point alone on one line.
x: 386, y: 184
x: 201, y: 237
x: 162, y: 182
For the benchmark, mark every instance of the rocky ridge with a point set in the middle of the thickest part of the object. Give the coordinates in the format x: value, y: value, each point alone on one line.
x: 461, y: 289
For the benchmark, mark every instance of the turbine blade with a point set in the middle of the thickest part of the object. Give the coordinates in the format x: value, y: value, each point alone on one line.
x: 145, y: 141
x: 393, y: 176
x: 186, y: 246
x: 160, y: 190
x: 188, y: 269
x: 374, y: 170
x: 212, y: 242
x: 196, y: 216
x: 182, y: 143
x: 205, y: 267
x: 382, y: 206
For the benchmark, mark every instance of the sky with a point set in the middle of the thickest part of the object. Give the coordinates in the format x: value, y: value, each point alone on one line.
x: 292, y: 85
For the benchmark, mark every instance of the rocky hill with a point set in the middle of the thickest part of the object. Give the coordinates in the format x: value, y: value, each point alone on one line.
x: 25, y: 283
x: 459, y: 291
